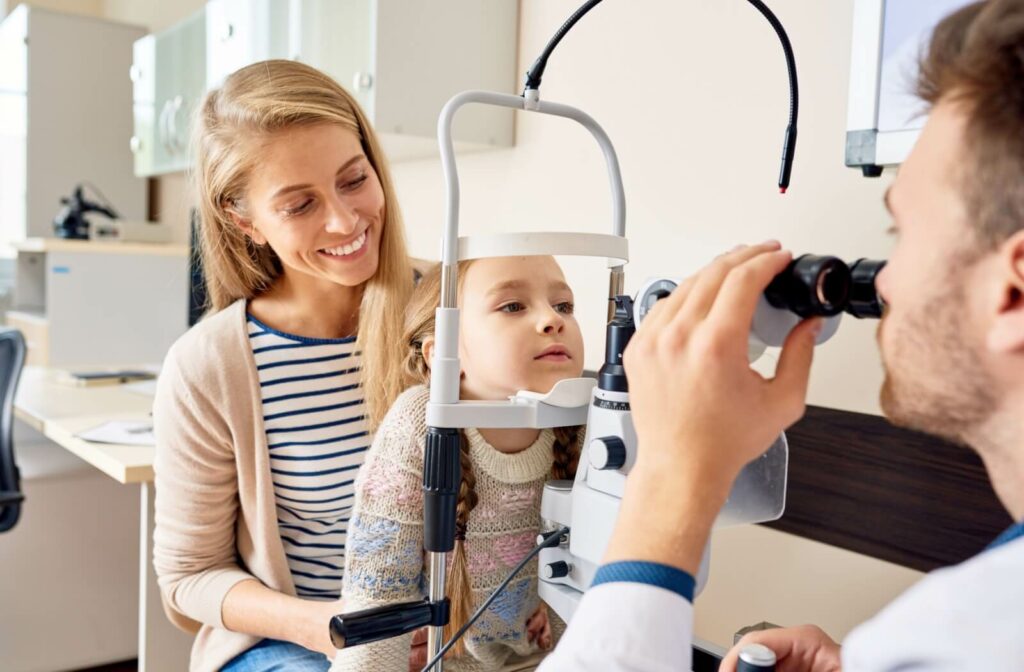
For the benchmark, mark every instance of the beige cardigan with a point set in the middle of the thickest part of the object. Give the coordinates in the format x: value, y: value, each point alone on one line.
x: 216, y: 522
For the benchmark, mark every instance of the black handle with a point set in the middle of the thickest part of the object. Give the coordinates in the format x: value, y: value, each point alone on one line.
x: 392, y: 620
x: 612, y: 375
x: 442, y: 475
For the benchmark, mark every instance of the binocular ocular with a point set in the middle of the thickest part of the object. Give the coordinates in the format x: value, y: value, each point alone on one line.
x: 821, y: 286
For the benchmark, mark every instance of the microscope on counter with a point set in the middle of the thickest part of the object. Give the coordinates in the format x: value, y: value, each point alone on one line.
x: 71, y: 221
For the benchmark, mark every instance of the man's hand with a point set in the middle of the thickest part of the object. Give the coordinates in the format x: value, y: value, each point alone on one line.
x: 803, y: 649
x: 697, y: 404
x: 701, y: 413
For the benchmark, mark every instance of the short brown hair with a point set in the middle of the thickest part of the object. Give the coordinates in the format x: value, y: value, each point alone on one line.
x: 976, y: 58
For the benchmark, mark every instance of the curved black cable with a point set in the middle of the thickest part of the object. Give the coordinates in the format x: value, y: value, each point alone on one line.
x: 794, y: 92
x: 550, y: 539
x: 789, y: 147
x: 536, y: 71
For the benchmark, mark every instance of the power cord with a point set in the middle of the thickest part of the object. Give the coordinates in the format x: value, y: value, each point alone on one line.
x: 536, y: 71
x: 550, y: 540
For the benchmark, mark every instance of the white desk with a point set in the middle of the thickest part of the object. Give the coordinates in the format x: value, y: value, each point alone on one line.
x: 59, y: 411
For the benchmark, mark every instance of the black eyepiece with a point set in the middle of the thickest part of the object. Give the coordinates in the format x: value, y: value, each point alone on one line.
x: 864, y: 298
x: 811, y: 286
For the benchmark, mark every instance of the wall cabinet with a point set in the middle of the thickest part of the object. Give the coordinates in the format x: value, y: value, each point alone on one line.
x: 168, y: 76
x: 404, y: 60
x: 65, y: 117
x: 312, y: 39
x: 401, y: 60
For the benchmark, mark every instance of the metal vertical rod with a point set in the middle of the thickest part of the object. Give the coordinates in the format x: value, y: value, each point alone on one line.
x: 616, y: 286
x: 435, y: 634
x: 449, y: 285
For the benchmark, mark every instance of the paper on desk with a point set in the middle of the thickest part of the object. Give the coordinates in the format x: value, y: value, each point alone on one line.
x: 122, y: 433
x: 144, y: 387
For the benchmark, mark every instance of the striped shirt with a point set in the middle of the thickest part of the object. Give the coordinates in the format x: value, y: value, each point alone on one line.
x: 314, y: 416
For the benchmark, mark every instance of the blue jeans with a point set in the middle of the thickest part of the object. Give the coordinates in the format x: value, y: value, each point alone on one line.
x: 271, y: 655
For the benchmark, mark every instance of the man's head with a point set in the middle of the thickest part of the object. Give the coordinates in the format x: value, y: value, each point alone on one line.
x: 953, y: 337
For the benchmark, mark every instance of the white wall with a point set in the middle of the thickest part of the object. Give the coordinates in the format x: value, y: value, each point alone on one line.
x: 759, y: 574
x: 86, y: 7
x: 694, y: 95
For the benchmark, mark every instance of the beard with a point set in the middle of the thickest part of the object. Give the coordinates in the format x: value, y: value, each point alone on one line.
x: 935, y: 381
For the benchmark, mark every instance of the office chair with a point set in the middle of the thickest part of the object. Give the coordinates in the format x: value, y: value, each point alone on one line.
x: 12, y: 358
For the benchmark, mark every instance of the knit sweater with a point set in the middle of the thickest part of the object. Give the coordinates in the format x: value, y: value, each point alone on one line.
x: 385, y: 563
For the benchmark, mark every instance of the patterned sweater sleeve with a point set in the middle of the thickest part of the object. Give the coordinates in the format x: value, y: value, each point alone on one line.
x: 384, y: 550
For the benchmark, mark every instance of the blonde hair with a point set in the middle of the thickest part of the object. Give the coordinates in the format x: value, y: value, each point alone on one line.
x: 260, y: 100
x: 419, y: 328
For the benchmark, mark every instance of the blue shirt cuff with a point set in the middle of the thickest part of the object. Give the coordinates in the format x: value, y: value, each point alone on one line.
x: 650, y: 573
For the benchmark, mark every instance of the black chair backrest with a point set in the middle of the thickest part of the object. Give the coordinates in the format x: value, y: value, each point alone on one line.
x: 12, y: 359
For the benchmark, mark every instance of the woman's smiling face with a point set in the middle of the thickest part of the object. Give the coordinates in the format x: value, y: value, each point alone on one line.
x: 316, y: 200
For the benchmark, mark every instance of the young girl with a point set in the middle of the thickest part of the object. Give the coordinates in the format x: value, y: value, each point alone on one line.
x: 517, y: 332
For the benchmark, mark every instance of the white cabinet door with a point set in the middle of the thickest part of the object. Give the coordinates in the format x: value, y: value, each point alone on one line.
x: 165, y: 64
x: 241, y: 32
x: 191, y: 83
x: 143, y: 75
x: 339, y: 38
x: 180, y: 67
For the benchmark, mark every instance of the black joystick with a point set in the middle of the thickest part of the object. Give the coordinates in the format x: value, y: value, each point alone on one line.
x: 756, y: 658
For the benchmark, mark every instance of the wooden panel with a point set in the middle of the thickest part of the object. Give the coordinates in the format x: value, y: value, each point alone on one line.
x: 859, y: 483
x: 36, y: 330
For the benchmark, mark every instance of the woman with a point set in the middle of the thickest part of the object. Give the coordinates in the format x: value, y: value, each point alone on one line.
x: 264, y: 409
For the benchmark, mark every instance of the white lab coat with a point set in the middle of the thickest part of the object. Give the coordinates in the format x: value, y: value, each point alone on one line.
x: 626, y: 627
x: 967, y: 618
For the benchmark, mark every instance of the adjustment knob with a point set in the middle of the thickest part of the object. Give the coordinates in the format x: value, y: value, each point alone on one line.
x: 556, y: 570
x: 607, y: 453
x: 756, y: 658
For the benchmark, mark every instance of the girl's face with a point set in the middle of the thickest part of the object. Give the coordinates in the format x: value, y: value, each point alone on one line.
x: 317, y: 201
x: 517, y: 328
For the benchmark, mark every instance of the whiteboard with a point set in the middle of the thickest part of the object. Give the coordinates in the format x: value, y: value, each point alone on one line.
x: 906, y: 33
x: 885, y: 116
